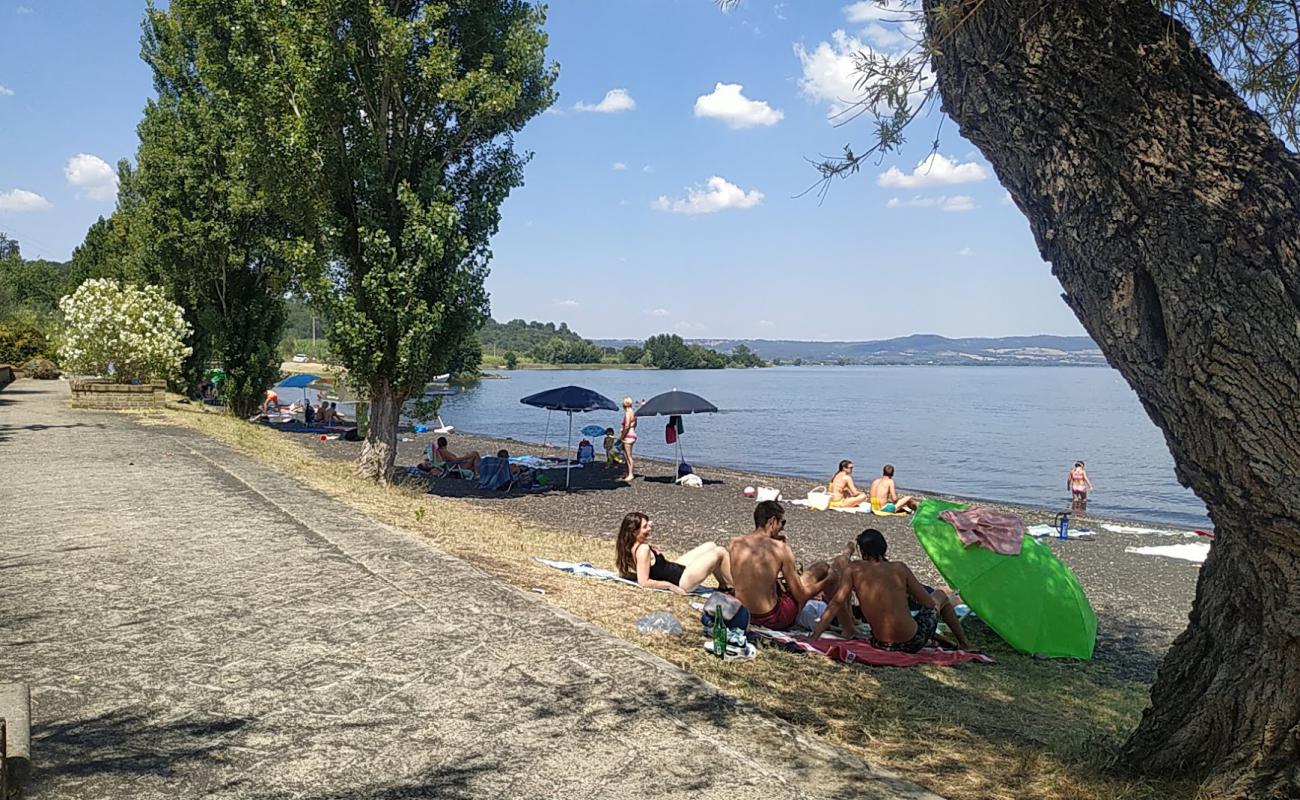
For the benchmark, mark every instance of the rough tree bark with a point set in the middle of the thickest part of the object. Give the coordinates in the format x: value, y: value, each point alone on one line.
x: 1171, y: 216
x: 379, y: 451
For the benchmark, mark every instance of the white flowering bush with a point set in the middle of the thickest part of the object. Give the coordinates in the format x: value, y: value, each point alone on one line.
x: 122, y: 332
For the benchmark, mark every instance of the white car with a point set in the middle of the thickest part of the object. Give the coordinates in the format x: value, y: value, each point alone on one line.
x: 300, y: 358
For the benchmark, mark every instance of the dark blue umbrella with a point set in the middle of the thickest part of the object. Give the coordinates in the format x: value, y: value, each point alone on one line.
x: 570, y: 399
x: 675, y: 404
x: 300, y: 381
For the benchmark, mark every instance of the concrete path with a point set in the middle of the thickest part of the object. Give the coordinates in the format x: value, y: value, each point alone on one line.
x: 196, y: 625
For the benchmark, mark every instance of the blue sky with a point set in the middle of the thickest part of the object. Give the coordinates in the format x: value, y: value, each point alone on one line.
x: 657, y: 200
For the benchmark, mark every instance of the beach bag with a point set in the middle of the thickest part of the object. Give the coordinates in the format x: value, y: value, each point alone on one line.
x: 733, y: 612
x: 767, y: 493
x: 819, y: 499
x: 692, y: 480
x: 684, y: 469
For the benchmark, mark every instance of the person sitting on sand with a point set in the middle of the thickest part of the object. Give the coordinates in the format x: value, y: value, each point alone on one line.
x: 763, y: 564
x: 446, y: 458
x: 884, y: 497
x: 883, y: 589
x: 1079, y: 485
x: 638, y: 561
x: 844, y: 492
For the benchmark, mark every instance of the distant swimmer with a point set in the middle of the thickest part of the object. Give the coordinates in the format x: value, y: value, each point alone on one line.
x: 844, y: 492
x: 884, y: 497
x: 1079, y: 485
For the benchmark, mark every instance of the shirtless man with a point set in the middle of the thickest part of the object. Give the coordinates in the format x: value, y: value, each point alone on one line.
x: 844, y: 492
x: 884, y: 497
x: 763, y: 567
x: 883, y: 588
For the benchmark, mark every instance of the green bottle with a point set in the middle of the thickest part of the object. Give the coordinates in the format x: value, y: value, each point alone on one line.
x: 719, y: 633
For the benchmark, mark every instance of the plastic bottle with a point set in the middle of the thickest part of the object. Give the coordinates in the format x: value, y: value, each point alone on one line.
x: 719, y: 633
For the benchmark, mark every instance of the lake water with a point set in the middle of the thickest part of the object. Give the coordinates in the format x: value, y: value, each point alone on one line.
x: 998, y: 433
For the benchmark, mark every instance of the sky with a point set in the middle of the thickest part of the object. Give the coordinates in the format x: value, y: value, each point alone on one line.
x: 663, y: 194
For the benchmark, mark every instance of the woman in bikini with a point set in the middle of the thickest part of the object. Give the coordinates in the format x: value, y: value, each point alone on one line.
x: 844, y: 492
x: 638, y: 561
x: 628, y: 436
x: 1079, y: 486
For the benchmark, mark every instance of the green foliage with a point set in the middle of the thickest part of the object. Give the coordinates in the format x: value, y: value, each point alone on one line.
x: 525, y: 337
x: 632, y: 354
x: 511, y: 359
x: 42, y: 369
x: 670, y: 351
x: 21, y: 340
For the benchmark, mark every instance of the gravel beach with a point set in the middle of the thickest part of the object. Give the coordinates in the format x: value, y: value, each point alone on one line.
x: 1142, y: 601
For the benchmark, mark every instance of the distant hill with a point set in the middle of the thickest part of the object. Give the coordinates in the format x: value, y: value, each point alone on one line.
x: 922, y: 348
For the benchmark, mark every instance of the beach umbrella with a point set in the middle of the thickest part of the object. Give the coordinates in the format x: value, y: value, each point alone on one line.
x: 571, y: 400
x: 676, y: 404
x: 592, y: 430
x: 300, y: 381
x: 1031, y: 600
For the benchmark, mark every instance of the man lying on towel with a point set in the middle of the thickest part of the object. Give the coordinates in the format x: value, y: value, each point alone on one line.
x: 883, y: 588
x: 763, y: 567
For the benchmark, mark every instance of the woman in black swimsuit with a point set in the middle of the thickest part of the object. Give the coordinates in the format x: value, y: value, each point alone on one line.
x: 638, y: 561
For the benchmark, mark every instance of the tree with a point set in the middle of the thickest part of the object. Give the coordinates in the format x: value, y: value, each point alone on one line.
x: 631, y: 354
x: 194, y: 219
x: 385, y: 132
x: 1170, y: 213
x: 511, y: 359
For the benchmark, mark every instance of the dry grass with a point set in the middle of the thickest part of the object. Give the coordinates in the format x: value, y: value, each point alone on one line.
x: 1021, y: 728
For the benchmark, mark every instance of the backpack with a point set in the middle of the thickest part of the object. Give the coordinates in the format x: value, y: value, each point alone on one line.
x: 684, y: 469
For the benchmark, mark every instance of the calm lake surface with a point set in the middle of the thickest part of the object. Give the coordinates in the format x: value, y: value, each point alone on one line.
x: 998, y: 433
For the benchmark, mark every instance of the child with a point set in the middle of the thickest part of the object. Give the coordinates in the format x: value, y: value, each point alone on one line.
x: 613, y: 448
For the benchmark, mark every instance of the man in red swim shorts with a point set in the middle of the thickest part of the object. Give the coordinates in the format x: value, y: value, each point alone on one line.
x: 763, y: 567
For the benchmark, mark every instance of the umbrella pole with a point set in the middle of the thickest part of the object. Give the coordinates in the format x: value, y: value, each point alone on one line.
x: 568, y: 463
x: 546, y: 435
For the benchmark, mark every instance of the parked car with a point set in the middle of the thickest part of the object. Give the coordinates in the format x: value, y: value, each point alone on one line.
x: 299, y: 358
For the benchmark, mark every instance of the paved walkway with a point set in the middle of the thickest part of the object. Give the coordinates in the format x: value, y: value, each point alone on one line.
x: 195, y: 625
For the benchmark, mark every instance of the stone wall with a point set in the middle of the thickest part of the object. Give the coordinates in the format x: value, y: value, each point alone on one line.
x: 117, y: 396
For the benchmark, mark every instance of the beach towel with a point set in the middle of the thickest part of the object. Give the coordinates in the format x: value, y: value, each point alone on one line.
x: 534, y: 462
x: 1052, y: 532
x: 856, y: 651
x: 1192, y: 551
x: 1153, y: 531
x: 999, y: 531
x: 862, y: 509
x: 590, y: 571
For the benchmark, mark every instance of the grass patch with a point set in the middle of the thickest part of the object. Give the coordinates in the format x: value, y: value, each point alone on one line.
x: 1021, y: 728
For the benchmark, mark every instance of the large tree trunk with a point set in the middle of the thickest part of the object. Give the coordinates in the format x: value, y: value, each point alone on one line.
x: 379, y: 451
x: 1169, y: 212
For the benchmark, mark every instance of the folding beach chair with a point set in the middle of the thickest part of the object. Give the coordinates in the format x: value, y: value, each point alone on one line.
x: 443, y: 469
x: 494, y: 474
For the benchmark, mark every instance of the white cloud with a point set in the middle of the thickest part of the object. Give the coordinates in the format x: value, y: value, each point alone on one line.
x: 887, y: 37
x: 567, y: 303
x: 647, y: 169
x: 728, y: 103
x: 658, y: 312
x: 829, y: 74
x: 717, y: 195
x: 1006, y: 198
x: 5, y: 91
x: 868, y: 10
x: 935, y: 170
x: 92, y: 176
x: 956, y: 202
x: 965, y: 251
x: 619, y: 166
x: 22, y: 10
x: 22, y: 200
x: 553, y: 112
x: 766, y: 323
x: 688, y: 326
x: 615, y: 100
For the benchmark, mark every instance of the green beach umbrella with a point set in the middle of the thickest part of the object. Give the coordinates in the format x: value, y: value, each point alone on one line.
x: 1031, y: 600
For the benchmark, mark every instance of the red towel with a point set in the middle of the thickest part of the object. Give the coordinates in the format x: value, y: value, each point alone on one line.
x: 999, y: 531
x: 857, y: 651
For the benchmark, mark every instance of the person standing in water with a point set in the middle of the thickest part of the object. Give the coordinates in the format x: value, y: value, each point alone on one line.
x: 628, y: 435
x: 1079, y: 486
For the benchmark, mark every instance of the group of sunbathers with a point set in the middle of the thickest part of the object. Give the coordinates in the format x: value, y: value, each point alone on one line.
x: 326, y: 413
x: 883, y: 495
x: 760, y: 569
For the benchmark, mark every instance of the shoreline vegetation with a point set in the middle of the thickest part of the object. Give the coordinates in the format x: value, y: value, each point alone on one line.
x: 1019, y: 728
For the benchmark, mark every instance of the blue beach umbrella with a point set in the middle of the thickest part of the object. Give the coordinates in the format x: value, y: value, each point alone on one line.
x: 300, y: 381
x: 571, y: 400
